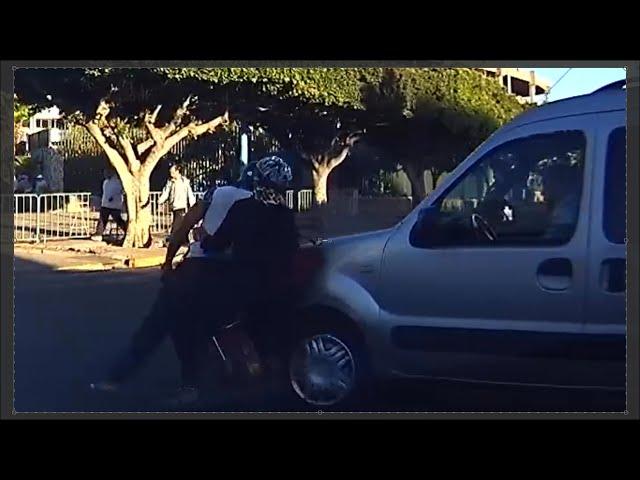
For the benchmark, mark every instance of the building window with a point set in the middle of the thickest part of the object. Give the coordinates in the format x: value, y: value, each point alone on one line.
x: 43, y: 123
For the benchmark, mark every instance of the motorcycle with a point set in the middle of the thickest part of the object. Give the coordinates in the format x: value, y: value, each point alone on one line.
x: 242, y: 344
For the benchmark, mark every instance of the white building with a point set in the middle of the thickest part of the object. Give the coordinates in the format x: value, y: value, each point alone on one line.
x: 524, y: 84
x: 49, y: 119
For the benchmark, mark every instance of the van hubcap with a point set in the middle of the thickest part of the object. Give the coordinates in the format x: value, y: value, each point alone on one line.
x: 322, y: 370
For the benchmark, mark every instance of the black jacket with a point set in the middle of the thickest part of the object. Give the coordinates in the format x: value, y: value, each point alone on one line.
x: 263, y: 240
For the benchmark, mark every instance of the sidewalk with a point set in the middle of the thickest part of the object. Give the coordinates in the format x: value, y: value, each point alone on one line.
x: 88, y: 255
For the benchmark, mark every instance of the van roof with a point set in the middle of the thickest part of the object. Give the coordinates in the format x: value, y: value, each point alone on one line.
x: 608, y: 98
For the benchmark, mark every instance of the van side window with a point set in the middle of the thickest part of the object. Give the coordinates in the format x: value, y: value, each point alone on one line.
x: 524, y: 192
x: 614, y: 212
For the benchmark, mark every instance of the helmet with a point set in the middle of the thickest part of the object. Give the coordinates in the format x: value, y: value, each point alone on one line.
x: 273, y: 172
x: 248, y: 176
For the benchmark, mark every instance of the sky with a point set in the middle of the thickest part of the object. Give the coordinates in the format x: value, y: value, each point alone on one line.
x: 578, y: 81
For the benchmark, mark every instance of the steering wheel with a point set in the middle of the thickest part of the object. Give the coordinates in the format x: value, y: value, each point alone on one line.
x: 481, y: 225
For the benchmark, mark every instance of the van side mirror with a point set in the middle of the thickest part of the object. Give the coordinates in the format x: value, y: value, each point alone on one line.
x: 425, y: 232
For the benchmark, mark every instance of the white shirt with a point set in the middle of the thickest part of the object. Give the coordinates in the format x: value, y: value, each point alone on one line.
x: 179, y: 194
x: 220, y: 202
x: 112, y: 193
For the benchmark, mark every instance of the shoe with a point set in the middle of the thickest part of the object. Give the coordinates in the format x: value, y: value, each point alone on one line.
x: 104, y: 386
x: 185, y: 396
x: 96, y: 238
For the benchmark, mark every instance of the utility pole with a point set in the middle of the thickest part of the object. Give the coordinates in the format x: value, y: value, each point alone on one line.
x: 244, y: 143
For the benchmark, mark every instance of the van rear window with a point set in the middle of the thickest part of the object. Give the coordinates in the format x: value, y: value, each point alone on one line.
x: 615, y: 187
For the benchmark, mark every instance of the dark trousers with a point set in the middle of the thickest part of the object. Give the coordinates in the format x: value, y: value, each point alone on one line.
x: 114, y: 213
x: 178, y: 215
x: 185, y: 310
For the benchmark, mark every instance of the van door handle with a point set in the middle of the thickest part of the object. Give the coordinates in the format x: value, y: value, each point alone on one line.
x: 366, y: 268
x: 612, y: 275
x: 555, y: 274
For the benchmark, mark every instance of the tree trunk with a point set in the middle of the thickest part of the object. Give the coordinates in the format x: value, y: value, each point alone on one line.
x: 320, y: 177
x: 138, y: 233
x: 323, y: 165
x: 415, y: 175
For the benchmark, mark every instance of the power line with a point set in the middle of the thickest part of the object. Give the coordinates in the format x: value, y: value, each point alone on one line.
x: 546, y: 96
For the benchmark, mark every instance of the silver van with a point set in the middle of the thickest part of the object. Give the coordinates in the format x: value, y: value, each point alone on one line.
x: 511, y: 271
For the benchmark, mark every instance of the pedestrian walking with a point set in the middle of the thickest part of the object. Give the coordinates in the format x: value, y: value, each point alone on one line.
x: 178, y: 193
x: 111, y: 205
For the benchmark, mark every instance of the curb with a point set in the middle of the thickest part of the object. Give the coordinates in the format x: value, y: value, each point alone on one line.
x: 105, y: 262
x: 86, y: 267
x: 144, y: 262
x: 127, y: 264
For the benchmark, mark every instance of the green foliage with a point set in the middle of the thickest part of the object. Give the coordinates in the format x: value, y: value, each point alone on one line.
x: 21, y: 111
x: 325, y: 86
x: 21, y: 114
x: 461, y: 98
x: 134, y: 90
x: 24, y: 164
x: 305, y: 109
x: 429, y: 116
x: 434, y: 117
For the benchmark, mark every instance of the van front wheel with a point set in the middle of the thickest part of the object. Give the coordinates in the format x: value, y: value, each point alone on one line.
x: 328, y: 367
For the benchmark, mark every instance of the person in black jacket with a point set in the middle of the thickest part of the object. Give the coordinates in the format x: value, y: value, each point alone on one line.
x: 205, y: 291
x: 261, y: 236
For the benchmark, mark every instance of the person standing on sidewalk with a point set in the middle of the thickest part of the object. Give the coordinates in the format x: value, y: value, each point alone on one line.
x: 179, y: 194
x: 24, y: 184
x: 111, y: 205
x: 40, y: 185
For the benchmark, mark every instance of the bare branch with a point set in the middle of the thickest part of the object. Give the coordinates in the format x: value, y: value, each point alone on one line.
x: 176, y: 121
x: 154, y: 116
x: 101, y: 121
x: 141, y: 148
x: 149, y: 122
x: 352, y: 138
x: 316, y: 163
x: 134, y: 163
x: 193, y: 129
x: 348, y: 143
x: 114, y: 156
x: 109, y: 133
x: 102, y: 111
x: 167, y: 130
x: 338, y: 159
x: 156, y: 134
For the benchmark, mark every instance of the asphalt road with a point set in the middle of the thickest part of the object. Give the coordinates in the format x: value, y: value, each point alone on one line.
x: 68, y: 327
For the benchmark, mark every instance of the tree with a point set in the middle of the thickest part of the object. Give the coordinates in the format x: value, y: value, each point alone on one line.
x: 431, y: 119
x: 136, y: 116
x: 321, y: 136
x: 317, y: 112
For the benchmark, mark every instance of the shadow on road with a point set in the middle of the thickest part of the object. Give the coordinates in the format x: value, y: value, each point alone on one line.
x: 69, y: 326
